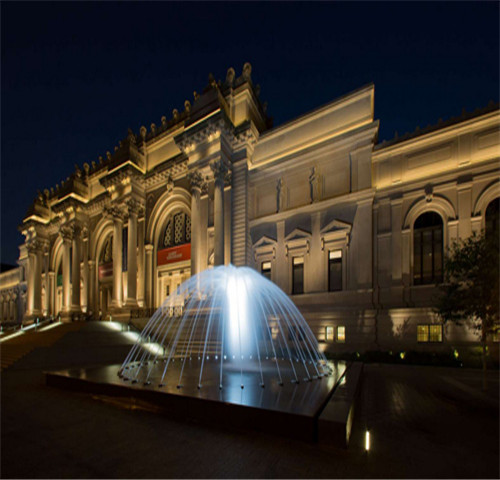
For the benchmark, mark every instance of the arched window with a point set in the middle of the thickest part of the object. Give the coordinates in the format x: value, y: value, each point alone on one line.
x: 177, y: 231
x: 428, y: 249
x: 492, y: 219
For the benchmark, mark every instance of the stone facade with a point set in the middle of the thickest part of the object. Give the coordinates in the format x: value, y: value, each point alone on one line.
x: 335, y: 219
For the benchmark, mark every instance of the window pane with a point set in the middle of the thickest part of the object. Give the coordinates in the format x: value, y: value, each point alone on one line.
x: 335, y: 274
x: 341, y: 334
x: 329, y: 334
x: 435, y: 333
x: 298, y: 275
x: 427, y: 256
x: 422, y: 333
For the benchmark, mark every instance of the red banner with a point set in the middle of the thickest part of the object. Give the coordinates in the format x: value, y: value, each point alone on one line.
x: 174, y: 254
x: 105, y: 270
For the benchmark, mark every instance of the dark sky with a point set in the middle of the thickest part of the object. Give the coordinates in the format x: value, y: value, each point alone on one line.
x: 76, y: 75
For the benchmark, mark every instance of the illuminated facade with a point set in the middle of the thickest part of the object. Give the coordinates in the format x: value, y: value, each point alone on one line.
x: 353, y: 230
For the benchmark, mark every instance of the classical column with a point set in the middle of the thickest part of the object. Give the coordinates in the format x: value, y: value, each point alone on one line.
x: 52, y: 293
x: 117, y: 261
x: 140, y: 261
x: 75, y: 269
x: 196, y: 181
x: 133, y: 209
x: 85, y: 271
x: 149, y: 275
x: 219, y: 169
x: 46, y: 307
x: 91, y: 288
x: 37, y: 308
x: 67, y: 236
x: 31, y: 279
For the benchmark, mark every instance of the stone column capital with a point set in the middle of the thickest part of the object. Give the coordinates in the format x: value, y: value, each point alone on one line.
x: 148, y: 248
x: 219, y: 170
x: 114, y: 212
x: 134, y: 207
x: 196, y: 180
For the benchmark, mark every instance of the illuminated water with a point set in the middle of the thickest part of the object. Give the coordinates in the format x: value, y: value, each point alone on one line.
x: 225, y: 325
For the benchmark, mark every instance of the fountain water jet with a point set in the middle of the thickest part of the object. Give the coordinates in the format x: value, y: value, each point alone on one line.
x: 225, y: 326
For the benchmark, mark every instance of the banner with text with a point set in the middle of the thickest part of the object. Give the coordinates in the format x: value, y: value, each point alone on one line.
x: 174, y: 254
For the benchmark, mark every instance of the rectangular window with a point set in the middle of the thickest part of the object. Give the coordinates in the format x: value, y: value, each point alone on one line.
x: 422, y: 333
x: 341, y: 334
x: 265, y: 269
x: 297, y: 275
x: 435, y: 333
x: 167, y: 291
x: 335, y: 270
x: 329, y: 334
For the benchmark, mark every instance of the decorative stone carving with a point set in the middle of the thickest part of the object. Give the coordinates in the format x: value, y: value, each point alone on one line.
x: 133, y: 206
x: 196, y: 179
x: 143, y: 131
x: 230, y: 76
x: 114, y: 212
x: 247, y: 72
x: 219, y: 170
x: 314, y: 185
x: 429, y: 193
x: 153, y: 128
x: 187, y: 106
x: 164, y: 121
x: 195, y: 95
x: 175, y: 114
x: 66, y: 233
x: 170, y: 185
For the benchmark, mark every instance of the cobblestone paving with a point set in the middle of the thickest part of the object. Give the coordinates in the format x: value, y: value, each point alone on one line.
x: 425, y: 423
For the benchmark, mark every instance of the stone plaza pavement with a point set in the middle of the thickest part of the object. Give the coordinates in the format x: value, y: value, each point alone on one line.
x: 424, y: 422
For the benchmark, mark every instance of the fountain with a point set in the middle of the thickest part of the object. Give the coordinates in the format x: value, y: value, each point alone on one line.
x: 227, y: 347
x: 225, y: 326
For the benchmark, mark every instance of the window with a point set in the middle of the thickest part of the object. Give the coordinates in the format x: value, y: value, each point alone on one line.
x: 495, y: 334
x: 265, y: 269
x: 335, y: 270
x: 297, y: 275
x: 177, y: 231
x: 428, y: 249
x: 167, y: 290
x: 341, y: 334
x: 329, y: 334
x: 429, y: 333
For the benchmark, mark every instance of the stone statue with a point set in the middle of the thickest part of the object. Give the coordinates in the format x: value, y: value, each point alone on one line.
x: 280, y: 195
x: 247, y: 72
x: 230, y: 76
x: 314, y: 185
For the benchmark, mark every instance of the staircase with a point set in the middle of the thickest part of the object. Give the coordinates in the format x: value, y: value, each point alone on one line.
x: 13, y: 350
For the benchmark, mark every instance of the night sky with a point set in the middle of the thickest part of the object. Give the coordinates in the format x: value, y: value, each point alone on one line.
x: 76, y: 75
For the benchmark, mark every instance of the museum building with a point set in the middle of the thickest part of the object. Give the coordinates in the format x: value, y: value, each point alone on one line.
x: 355, y: 231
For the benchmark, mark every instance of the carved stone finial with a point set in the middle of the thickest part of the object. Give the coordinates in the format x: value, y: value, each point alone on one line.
x: 175, y: 113
x: 196, y: 180
x: 116, y: 148
x: 211, y: 80
x: 143, y: 131
x: 230, y: 76
x: 163, y: 121
x: 187, y: 106
x: 153, y: 128
x: 100, y: 160
x: 108, y: 155
x: 247, y: 72
x: 86, y: 168
x: 52, y: 190
x: 195, y: 95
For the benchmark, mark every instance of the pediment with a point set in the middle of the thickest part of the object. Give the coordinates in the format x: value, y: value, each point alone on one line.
x: 265, y: 241
x: 336, y: 226
x: 297, y: 234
